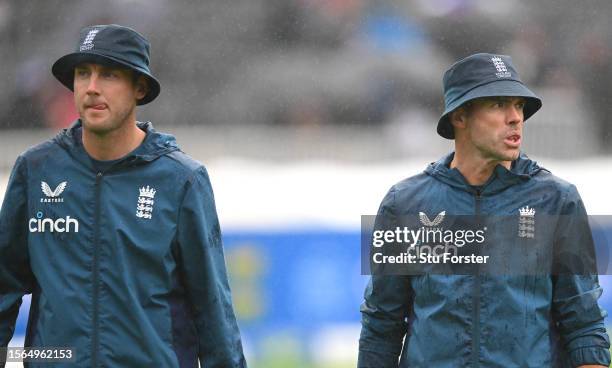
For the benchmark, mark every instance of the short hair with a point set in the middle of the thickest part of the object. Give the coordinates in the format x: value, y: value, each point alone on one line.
x: 135, y: 75
x: 467, y: 106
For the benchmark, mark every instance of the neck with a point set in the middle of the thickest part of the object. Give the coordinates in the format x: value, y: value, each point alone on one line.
x: 476, y: 169
x: 114, y: 144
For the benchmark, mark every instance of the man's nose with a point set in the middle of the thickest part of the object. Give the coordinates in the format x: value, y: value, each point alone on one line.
x: 515, y: 115
x: 92, y: 86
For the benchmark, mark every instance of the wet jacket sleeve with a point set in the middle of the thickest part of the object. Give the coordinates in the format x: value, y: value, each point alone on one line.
x: 204, y: 273
x: 15, y: 276
x: 388, y: 302
x: 579, y: 318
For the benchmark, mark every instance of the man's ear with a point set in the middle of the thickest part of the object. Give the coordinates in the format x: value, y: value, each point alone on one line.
x: 458, y: 118
x: 142, y: 87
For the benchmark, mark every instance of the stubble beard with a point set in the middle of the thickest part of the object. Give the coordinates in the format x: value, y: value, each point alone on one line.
x: 114, y: 122
x: 494, y: 154
x: 501, y: 156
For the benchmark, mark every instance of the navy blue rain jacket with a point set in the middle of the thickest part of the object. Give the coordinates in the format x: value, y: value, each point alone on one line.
x: 125, y: 266
x: 484, y: 320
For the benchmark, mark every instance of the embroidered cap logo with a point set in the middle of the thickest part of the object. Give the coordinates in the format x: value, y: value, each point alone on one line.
x: 502, y: 70
x: 88, y: 42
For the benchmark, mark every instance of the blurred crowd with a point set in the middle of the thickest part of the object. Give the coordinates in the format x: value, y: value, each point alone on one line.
x: 310, y: 63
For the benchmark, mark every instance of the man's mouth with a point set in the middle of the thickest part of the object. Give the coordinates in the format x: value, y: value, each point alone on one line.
x: 513, y: 140
x: 101, y: 106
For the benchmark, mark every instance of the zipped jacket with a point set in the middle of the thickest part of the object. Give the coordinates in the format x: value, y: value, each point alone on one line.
x: 487, y: 320
x: 125, y: 266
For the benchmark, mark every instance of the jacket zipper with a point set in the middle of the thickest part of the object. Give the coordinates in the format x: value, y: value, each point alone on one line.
x: 476, y: 306
x: 96, y: 274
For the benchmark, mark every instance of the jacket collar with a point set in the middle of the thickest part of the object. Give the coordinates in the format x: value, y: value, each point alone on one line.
x: 154, y: 145
x: 521, y: 170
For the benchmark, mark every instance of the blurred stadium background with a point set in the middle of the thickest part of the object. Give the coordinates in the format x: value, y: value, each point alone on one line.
x: 305, y: 113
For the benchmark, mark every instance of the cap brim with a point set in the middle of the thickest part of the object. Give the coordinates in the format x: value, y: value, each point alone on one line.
x: 505, y: 88
x: 63, y: 70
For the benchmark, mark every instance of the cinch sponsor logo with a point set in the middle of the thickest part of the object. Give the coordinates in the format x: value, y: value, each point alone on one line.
x: 60, y: 225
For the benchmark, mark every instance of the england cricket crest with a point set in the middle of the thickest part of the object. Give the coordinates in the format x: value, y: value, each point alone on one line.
x: 88, y: 41
x: 526, y: 225
x: 144, y: 208
x: 502, y: 70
